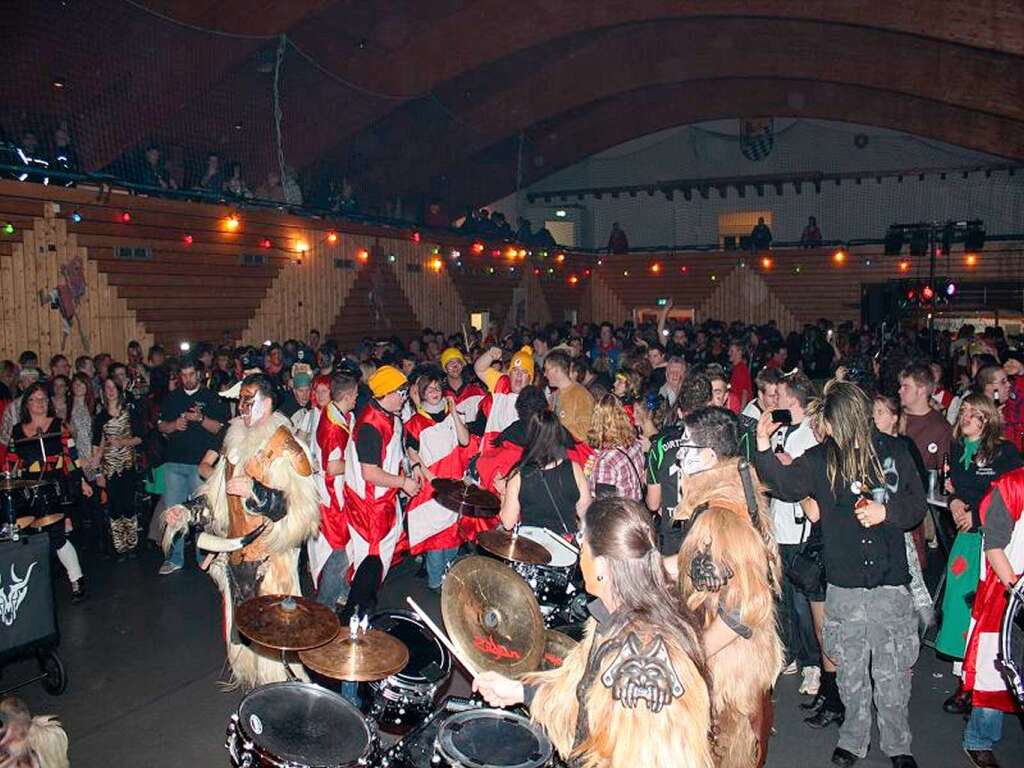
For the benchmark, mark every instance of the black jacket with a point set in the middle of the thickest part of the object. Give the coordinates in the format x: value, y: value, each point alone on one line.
x: 854, y: 556
x: 970, y: 485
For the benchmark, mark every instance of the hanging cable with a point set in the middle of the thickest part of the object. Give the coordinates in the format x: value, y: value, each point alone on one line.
x: 278, y: 112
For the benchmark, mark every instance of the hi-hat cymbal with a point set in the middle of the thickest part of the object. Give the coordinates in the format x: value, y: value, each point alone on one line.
x: 557, y: 646
x: 47, y: 520
x: 466, y: 499
x: 492, y: 616
x: 17, y: 484
x: 372, y: 655
x: 286, y: 622
x: 509, y: 546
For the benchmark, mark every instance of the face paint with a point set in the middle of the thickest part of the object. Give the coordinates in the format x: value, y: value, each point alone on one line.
x: 691, y: 460
x: 260, y: 408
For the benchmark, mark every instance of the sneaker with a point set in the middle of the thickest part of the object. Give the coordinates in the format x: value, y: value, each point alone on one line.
x: 168, y: 567
x: 812, y: 681
x: 791, y: 668
x: 78, y: 593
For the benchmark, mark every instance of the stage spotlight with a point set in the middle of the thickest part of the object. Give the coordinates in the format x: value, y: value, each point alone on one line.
x: 974, y: 238
x: 839, y: 256
x: 927, y: 293
x: 971, y: 259
x: 951, y: 289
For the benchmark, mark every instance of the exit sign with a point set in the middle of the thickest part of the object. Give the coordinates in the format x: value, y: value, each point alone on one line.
x: 662, y: 302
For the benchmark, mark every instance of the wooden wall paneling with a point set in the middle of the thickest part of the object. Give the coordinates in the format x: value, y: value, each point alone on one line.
x: 538, y: 307
x: 432, y: 294
x: 743, y: 295
x: 305, y: 295
x: 604, y: 303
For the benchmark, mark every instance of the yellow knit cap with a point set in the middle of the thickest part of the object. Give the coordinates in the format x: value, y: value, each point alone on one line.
x: 523, y: 359
x: 452, y: 353
x: 386, y: 380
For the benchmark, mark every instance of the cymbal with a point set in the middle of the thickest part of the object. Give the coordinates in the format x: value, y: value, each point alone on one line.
x: 466, y: 499
x: 556, y: 647
x: 492, y: 616
x: 510, y: 547
x: 286, y: 622
x: 372, y: 655
x: 16, y: 484
x: 47, y: 520
x: 36, y: 438
x: 25, y: 521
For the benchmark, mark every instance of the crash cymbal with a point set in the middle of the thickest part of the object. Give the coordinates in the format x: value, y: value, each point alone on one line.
x: 466, y: 499
x: 509, y: 546
x: 556, y: 647
x: 492, y: 616
x: 286, y: 622
x: 372, y: 655
x: 47, y: 520
x: 25, y: 522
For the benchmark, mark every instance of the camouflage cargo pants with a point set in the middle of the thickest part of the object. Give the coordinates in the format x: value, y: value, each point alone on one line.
x: 871, y: 634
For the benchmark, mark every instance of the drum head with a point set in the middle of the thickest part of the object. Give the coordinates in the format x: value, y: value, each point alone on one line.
x: 491, y: 738
x: 304, y: 724
x: 561, y: 555
x: 429, y: 661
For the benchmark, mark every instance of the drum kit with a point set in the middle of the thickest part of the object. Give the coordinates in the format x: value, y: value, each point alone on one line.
x: 22, y: 499
x: 495, y: 624
x: 495, y: 619
x: 547, y: 561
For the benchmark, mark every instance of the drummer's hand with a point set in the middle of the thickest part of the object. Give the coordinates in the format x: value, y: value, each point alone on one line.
x: 239, y: 486
x: 86, y: 489
x: 498, y: 690
x: 101, y: 481
x: 68, y: 526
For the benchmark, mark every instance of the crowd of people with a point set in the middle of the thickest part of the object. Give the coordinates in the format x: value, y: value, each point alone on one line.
x: 787, y: 481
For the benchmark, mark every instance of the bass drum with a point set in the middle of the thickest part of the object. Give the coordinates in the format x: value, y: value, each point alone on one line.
x: 492, y: 738
x: 299, y: 725
x: 406, y: 698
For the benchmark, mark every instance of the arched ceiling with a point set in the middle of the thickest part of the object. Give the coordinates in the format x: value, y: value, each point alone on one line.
x: 407, y: 92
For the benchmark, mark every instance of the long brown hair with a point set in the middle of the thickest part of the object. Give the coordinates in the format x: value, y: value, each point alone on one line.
x: 850, y: 449
x: 991, y: 430
x: 90, y: 396
x: 620, y: 530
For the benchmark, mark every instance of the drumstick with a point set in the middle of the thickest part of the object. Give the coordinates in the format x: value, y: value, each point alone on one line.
x: 440, y: 635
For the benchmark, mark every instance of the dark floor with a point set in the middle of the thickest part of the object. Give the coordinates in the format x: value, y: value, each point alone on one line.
x: 144, y: 656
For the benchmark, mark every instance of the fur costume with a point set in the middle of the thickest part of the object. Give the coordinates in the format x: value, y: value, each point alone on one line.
x: 30, y: 742
x: 619, y: 737
x: 743, y: 672
x: 277, y: 571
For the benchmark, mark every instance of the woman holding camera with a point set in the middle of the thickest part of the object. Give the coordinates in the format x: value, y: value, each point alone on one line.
x: 868, y: 492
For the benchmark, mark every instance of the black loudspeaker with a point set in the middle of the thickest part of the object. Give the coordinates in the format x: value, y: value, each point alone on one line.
x: 878, y: 302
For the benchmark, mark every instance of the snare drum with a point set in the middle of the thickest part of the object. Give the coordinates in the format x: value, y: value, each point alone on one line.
x: 552, y: 582
x: 406, y: 698
x: 299, y: 725
x: 491, y: 738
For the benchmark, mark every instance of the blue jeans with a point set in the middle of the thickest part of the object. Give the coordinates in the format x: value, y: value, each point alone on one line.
x: 180, y: 482
x: 333, y: 584
x: 984, y: 729
x: 437, y: 561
